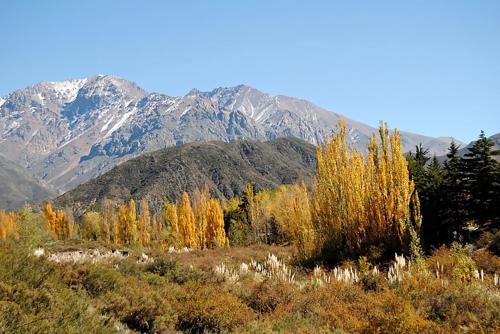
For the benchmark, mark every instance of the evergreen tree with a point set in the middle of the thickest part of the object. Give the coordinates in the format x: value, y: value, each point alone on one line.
x: 481, y: 176
x: 430, y: 195
x: 417, y: 167
x: 454, y: 213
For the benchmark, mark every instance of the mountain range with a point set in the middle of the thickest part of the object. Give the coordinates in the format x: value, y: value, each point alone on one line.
x: 67, y: 132
x: 18, y: 187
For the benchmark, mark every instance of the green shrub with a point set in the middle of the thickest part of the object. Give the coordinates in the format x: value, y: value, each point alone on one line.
x: 140, y: 307
x: 100, y: 280
x: 175, y: 272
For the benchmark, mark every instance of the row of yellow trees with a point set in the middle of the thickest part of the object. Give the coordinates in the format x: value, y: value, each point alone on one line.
x: 58, y: 222
x: 200, y: 225
x: 197, y: 226
x: 359, y: 203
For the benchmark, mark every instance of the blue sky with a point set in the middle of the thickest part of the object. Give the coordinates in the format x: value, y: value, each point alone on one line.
x: 431, y: 67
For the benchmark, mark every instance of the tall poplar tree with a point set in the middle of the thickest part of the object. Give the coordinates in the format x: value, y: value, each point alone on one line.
x: 187, y: 227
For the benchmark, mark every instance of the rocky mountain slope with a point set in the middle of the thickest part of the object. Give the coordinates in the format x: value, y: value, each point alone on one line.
x: 68, y: 132
x: 17, y: 187
x: 225, y: 168
x: 463, y: 149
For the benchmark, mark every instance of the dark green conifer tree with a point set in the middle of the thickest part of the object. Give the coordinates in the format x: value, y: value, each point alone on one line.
x: 433, y: 231
x: 481, y: 181
x: 454, y: 212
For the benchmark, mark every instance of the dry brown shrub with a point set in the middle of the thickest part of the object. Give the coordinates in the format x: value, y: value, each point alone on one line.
x: 487, y: 261
x: 207, y: 308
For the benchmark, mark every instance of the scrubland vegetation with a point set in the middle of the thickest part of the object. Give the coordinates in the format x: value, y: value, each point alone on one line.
x: 346, y: 256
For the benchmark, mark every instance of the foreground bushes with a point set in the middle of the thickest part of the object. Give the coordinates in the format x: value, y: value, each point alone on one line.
x: 182, y: 293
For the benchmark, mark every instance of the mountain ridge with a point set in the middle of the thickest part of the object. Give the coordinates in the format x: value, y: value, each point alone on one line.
x: 225, y: 168
x: 68, y: 132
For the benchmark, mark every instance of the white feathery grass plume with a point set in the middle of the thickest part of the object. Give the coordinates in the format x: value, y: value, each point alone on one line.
x: 396, y: 270
x: 476, y: 274
x: 39, y: 252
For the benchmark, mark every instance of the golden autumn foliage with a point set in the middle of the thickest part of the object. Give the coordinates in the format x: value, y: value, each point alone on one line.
x: 144, y: 224
x: 360, y: 204
x: 170, y: 223
x: 363, y: 201
x: 200, y: 203
x: 292, y: 212
x: 92, y: 225
x: 7, y: 224
x: 59, y: 223
x: 215, y: 235
x: 187, y: 227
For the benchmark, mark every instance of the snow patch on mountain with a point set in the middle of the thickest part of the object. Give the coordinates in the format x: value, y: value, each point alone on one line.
x: 68, y: 89
x: 106, y: 125
x: 120, y: 122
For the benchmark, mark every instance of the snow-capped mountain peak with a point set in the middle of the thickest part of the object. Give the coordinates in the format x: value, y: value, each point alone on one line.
x: 70, y: 131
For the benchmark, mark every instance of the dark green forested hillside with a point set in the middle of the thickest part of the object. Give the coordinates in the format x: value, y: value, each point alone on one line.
x: 224, y: 167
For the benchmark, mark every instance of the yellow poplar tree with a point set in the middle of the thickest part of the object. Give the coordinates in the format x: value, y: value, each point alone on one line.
x: 200, y: 202
x: 91, y: 226
x: 360, y: 202
x: 7, y: 224
x: 292, y: 212
x: 170, y: 221
x: 58, y: 222
x: 144, y: 224
x: 121, y: 226
x: 252, y: 211
x: 109, y: 220
x: 187, y: 227
x: 51, y: 217
x: 215, y: 235
x: 131, y: 223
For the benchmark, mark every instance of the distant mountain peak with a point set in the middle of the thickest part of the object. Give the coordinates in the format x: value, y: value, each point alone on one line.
x: 72, y: 130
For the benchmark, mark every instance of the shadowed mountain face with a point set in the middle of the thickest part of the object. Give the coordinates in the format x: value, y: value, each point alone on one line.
x: 224, y: 167
x: 18, y: 187
x: 71, y: 131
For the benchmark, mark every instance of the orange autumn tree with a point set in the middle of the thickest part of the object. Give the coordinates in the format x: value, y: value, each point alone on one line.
x: 58, y: 223
x: 7, y: 225
x: 363, y: 202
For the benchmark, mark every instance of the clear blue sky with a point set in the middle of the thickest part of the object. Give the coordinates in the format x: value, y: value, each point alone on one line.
x: 431, y: 67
